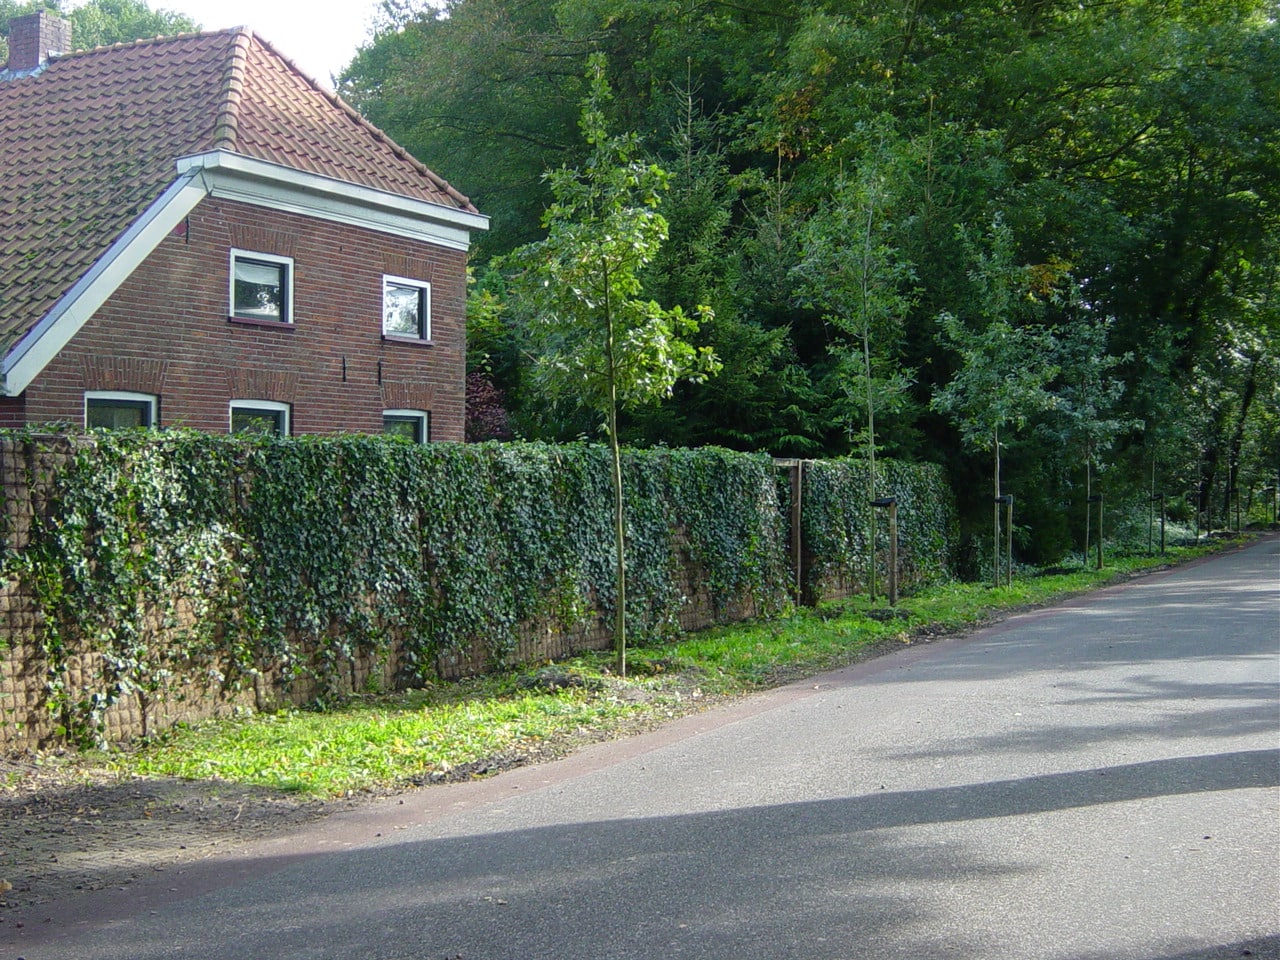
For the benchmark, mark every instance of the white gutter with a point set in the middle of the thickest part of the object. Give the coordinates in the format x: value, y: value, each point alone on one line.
x: 41, y: 344
x: 232, y: 176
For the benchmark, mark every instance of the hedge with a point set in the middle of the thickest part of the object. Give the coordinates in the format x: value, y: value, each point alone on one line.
x: 183, y: 554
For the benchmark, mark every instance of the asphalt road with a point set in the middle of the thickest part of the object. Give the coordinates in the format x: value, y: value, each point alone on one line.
x: 1098, y: 781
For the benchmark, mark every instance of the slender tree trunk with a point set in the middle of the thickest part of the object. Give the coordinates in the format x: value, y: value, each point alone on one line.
x: 1088, y: 506
x: 620, y: 555
x: 1151, y: 509
x: 1101, y: 507
x: 1008, y: 543
x: 995, y: 543
x: 615, y: 470
x: 1236, y: 443
x: 865, y: 292
x: 871, y: 455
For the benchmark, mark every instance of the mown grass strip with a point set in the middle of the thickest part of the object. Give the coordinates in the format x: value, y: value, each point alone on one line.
x: 377, y: 742
x: 386, y: 742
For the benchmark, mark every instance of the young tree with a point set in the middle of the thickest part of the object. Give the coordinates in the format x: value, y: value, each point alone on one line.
x: 598, y: 342
x: 1087, y: 395
x: 1004, y: 368
x: 852, y: 273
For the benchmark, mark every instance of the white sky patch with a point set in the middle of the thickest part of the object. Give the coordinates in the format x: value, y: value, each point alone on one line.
x: 320, y: 37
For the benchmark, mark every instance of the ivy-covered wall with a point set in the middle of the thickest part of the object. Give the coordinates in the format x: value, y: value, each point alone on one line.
x: 836, y: 528
x: 147, y: 577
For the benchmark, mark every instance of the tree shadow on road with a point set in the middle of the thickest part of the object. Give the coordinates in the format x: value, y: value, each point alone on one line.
x: 863, y: 870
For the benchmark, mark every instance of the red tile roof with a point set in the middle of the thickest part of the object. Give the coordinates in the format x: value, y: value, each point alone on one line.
x: 88, y: 143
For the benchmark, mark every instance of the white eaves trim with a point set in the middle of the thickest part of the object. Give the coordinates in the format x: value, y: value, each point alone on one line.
x: 232, y: 176
x: 42, y: 342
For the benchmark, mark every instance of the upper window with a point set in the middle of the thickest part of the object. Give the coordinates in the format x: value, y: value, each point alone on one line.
x: 260, y: 416
x: 413, y: 425
x: 261, y: 287
x: 406, y: 308
x: 116, y: 410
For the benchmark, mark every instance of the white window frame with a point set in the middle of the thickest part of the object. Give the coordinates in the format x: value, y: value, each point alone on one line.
x: 273, y: 405
x: 272, y: 258
x: 127, y: 396
x: 422, y: 416
x: 424, y: 324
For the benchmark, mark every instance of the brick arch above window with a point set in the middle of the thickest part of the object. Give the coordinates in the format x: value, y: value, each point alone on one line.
x: 123, y: 373
x: 266, y: 384
x: 408, y: 395
x: 257, y: 237
x: 406, y: 266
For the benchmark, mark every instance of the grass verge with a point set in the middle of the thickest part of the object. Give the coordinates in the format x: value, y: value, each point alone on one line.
x: 460, y: 730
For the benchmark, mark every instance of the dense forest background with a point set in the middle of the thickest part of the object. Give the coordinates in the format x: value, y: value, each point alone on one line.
x: 1041, y: 228
x: 1074, y: 200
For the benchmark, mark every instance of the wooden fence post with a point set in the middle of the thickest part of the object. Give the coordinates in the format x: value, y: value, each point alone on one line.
x: 892, y: 504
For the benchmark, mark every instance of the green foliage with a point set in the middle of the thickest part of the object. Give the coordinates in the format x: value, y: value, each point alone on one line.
x: 137, y: 556
x: 100, y: 23
x: 598, y: 342
x: 181, y: 555
x: 851, y: 272
x: 1131, y: 146
x: 1006, y: 361
x: 1087, y: 390
x: 837, y: 530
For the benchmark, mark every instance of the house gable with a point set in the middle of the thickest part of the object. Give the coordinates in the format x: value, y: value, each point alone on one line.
x: 166, y: 330
x: 104, y: 152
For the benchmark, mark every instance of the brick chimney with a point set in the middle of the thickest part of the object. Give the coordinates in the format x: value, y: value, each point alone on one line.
x: 33, y: 39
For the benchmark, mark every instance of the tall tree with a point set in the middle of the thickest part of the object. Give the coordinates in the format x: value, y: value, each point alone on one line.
x: 598, y: 341
x: 856, y: 277
x: 1087, y: 393
x: 1005, y: 366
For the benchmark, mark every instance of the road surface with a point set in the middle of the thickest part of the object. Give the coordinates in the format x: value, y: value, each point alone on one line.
x: 1098, y: 781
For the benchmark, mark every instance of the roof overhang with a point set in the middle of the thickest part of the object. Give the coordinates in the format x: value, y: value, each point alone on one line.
x: 233, y: 176
x: 230, y: 176
x: 32, y: 353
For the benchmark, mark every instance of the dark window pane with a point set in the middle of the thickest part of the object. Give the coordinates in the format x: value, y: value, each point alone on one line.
x: 117, y: 414
x: 260, y: 290
x: 402, y: 312
x: 404, y: 426
x: 257, y: 420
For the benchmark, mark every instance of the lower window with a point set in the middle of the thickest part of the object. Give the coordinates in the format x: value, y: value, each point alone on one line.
x: 260, y: 416
x: 117, y: 410
x: 413, y: 425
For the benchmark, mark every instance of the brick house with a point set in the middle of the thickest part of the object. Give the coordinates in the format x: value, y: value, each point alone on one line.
x: 193, y: 233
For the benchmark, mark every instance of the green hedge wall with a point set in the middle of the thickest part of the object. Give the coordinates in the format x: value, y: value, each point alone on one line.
x: 180, y: 554
x: 184, y: 554
x: 835, y: 522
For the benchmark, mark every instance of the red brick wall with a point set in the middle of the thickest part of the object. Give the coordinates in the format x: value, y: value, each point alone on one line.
x: 33, y: 37
x: 13, y: 411
x: 165, y: 331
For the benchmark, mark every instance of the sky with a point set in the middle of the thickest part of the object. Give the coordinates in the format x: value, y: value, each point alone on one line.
x: 320, y: 36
